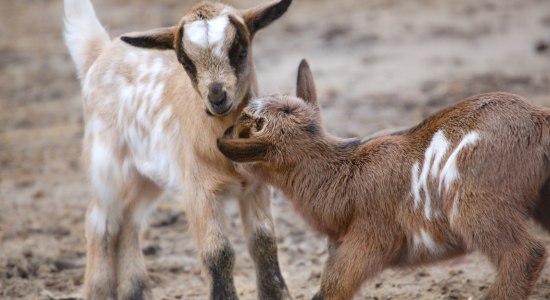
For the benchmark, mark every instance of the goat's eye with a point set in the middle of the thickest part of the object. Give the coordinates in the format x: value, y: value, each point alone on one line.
x: 260, y: 123
x: 244, y: 53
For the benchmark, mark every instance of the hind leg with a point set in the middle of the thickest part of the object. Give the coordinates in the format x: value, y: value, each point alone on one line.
x: 255, y: 206
x: 103, y: 219
x: 133, y: 282
x: 499, y: 232
x: 101, y: 246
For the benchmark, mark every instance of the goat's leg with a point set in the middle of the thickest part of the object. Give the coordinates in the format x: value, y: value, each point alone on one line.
x: 541, y: 212
x: 501, y: 235
x: 102, y: 228
x: 206, y: 217
x: 518, y: 265
x: 133, y: 282
x: 262, y: 244
x: 348, y: 266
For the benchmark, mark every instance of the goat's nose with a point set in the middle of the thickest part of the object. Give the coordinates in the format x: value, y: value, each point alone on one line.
x: 228, y: 132
x: 216, y: 94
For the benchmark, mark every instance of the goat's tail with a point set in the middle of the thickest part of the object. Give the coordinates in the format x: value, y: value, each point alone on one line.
x: 84, y: 35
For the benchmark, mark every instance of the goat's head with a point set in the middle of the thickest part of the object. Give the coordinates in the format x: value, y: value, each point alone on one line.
x: 213, y: 43
x: 276, y: 129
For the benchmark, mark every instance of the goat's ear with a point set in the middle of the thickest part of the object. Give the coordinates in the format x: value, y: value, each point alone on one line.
x: 259, y: 17
x: 160, y: 38
x: 305, y: 85
x: 243, y: 150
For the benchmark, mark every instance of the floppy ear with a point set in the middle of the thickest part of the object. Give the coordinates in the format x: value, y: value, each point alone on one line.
x: 305, y: 85
x: 160, y: 38
x: 243, y: 150
x: 259, y: 17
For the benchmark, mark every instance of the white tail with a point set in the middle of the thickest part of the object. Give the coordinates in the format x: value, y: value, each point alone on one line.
x: 84, y: 35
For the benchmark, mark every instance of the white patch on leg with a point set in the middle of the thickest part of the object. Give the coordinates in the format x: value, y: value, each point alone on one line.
x: 449, y: 173
x: 97, y: 221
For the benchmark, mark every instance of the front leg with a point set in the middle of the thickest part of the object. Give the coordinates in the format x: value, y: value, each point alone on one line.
x: 217, y: 256
x: 255, y: 208
x: 348, y: 266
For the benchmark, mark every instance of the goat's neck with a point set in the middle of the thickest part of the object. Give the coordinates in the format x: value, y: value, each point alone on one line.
x: 324, y: 175
x: 326, y: 167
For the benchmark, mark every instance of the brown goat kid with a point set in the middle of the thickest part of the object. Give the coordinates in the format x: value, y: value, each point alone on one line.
x: 465, y: 179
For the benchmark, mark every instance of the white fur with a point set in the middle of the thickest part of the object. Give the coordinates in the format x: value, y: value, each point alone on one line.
x: 81, y: 29
x: 445, y: 175
x: 217, y: 28
x: 97, y: 221
x: 104, y: 167
x: 435, y: 152
x: 154, y: 154
x: 415, y: 185
x: 449, y: 173
x: 197, y: 33
x: 454, y: 209
x: 208, y: 33
x: 429, y: 243
x: 256, y: 107
x: 423, y: 239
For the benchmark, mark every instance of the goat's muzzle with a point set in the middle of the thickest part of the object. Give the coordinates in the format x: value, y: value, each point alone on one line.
x: 218, y: 99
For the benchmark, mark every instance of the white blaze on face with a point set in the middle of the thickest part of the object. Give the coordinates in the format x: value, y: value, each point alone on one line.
x: 431, y: 169
x: 208, y: 33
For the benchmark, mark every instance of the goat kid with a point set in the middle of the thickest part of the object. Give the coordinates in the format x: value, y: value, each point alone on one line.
x: 147, y: 131
x: 465, y: 179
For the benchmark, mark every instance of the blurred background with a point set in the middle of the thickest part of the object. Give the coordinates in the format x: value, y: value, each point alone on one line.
x: 378, y: 64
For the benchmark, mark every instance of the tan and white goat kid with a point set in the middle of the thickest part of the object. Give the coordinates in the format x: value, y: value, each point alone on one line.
x: 151, y: 125
x: 465, y: 179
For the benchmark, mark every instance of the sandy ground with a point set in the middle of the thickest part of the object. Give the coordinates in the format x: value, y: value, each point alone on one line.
x: 378, y: 64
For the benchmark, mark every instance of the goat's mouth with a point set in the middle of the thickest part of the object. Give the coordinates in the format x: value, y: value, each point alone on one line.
x: 219, y: 111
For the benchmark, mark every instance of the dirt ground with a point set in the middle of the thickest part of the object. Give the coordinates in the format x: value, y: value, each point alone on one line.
x: 378, y: 64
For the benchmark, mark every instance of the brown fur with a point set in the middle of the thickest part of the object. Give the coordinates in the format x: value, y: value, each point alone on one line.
x: 115, y: 266
x: 360, y: 194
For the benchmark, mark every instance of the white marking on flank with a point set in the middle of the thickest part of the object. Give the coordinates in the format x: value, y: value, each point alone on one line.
x: 454, y: 209
x: 424, y: 239
x: 445, y: 175
x: 432, y: 246
x: 416, y: 185
x: 449, y: 173
x: 435, y: 152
